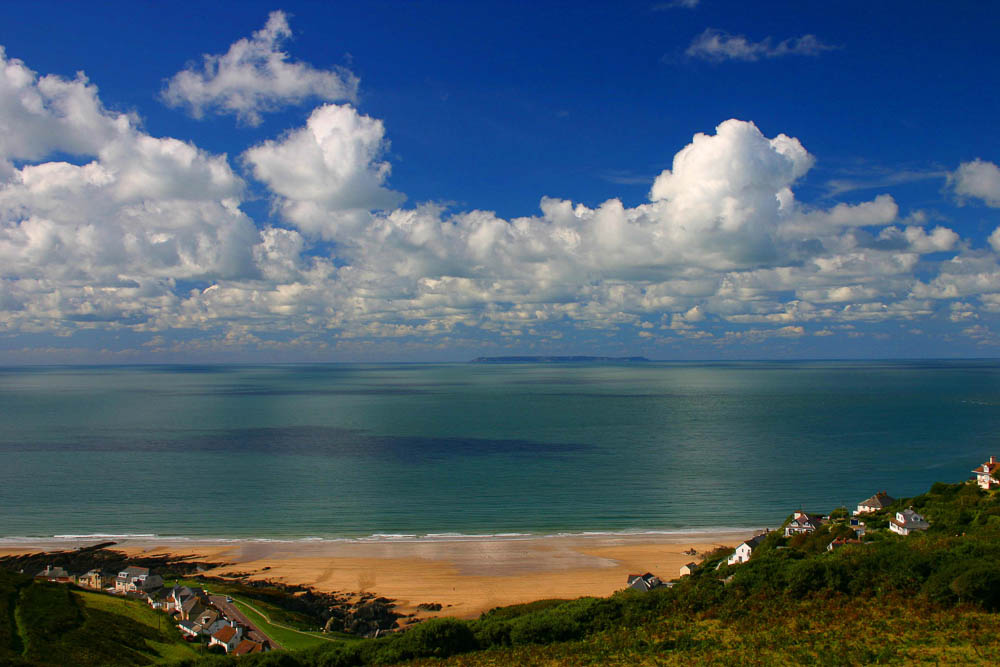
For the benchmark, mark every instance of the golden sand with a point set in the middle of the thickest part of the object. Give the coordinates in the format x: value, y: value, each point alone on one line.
x: 466, y: 576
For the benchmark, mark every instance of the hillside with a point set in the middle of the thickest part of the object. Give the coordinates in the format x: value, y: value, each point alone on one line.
x: 932, y: 596
x: 44, y: 623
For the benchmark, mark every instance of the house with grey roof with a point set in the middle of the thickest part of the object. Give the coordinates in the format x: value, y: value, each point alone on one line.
x: 908, y: 521
x: 93, y: 579
x: 876, y: 503
x: 134, y: 579
x: 56, y: 574
x: 745, y: 550
x: 644, y: 582
x: 802, y: 522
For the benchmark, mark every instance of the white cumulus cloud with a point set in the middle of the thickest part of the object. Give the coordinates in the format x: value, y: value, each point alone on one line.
x: 327, y: 173
x: 979, y: 179
x: 256, y: 76
x: 147, y: 233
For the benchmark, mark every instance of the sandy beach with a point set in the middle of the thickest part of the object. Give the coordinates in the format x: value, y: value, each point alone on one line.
x: 466, y: 576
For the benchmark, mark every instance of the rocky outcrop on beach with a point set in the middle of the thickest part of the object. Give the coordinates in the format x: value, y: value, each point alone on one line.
x: 365, y: 618
x: 104, y: 559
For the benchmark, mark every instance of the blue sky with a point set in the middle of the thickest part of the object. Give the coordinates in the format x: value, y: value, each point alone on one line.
x: 436, y: 181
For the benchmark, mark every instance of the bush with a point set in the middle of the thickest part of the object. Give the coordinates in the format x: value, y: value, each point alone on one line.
x: 544, y: 628
x: 437, y: 638
x: 979, y: 584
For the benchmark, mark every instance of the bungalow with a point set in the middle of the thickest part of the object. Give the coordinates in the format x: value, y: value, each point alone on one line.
x: 93, y: 579
x: 688, y: 568
x: 188, y: 628
x: 907, y: 521
x: 745, y: 550
x: 206, y: 618
x: 247, y: 646
x: 802, y: 522
x: 56, y: 574
x: 644, y: 582
x: 988, y: 474
x: 213, y: 627
x: 134, y: 579
x: 876, y: 503
x: 227, y: 637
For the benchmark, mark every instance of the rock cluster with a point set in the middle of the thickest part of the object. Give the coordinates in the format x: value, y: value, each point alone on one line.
x: 368, y: 617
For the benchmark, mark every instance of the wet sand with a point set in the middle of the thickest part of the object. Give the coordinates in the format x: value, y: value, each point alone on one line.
x: 466, y: 576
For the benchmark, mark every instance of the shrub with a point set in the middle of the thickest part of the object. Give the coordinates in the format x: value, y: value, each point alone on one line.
x: 437, y: 638
x: 979, y: 584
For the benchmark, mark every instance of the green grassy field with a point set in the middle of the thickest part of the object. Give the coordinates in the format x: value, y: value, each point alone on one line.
x: 54, y: 624
x: 258, y: 597
x: 289, y: 638
x: 168, y: 651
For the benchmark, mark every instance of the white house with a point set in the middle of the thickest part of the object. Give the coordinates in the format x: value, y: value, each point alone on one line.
x: 227, y: 637
x: 988, y: 474
x: 907, y: 521
x: 688, y: 568
x: 802, y: 523
x: 876, y: 503
x: 188, y: 628
x: 134, y: 579
x: 745, y: 550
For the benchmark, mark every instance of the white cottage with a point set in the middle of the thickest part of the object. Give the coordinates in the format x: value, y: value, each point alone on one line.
x: 227, y: 637
x: 134, y: 579
x: 802, y: 522
x: 907, y: 521
x: 745, y: 550
x: 876, y: 503
x: 988, y: 474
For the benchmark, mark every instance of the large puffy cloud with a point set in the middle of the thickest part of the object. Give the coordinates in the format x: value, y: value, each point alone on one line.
x: 147, y: 233
x: 328, y: 173
x: 107, y: 240
x: 41, y: 115
x: 979, y: 179
x: 255, y: 76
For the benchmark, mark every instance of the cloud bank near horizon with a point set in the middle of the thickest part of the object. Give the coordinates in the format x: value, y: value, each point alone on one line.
x: 148, y: 234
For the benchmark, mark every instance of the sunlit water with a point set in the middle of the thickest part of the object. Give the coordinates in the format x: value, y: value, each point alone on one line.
x: 361, y: 450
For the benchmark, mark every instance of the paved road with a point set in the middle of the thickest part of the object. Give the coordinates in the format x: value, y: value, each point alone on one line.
x: 231, y: 611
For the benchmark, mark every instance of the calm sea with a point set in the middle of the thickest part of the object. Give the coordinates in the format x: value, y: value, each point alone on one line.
x: 330, y: 451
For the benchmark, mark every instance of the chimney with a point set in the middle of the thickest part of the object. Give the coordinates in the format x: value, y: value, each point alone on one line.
x: 993, y: 459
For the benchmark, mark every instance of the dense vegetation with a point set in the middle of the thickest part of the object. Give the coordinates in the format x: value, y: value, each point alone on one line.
x: 54, y: 624
x: 932, y: 597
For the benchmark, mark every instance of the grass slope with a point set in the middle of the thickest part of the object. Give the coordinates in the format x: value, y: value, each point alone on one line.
x: 43, y: 623
x: 929, y: 597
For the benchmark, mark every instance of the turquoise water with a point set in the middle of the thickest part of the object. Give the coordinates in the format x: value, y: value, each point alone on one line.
x: 360, y: 450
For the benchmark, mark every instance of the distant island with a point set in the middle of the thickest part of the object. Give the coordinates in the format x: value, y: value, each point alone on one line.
x: 554, y: 360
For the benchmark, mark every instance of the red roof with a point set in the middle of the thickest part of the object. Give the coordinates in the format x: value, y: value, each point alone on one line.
x: 225, y: 634
x: 247, y: 646
x: 990, y: 467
